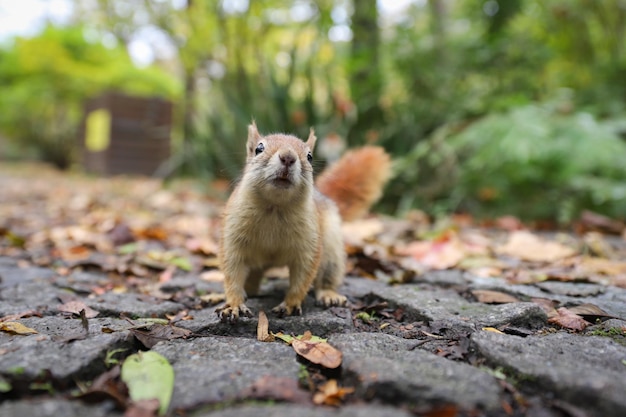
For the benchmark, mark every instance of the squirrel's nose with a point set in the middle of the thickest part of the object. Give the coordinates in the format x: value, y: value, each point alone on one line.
x: 287, y: 159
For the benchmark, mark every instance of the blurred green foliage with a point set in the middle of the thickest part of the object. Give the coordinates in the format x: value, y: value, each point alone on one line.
x: 492, y: 107
x: 532, y: 162
x: 45, y: 80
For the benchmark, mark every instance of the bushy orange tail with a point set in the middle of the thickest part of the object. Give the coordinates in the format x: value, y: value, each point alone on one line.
x: 356, y: 181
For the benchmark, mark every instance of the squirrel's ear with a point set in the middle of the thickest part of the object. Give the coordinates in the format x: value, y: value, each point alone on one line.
x: 253, y: 138
x: 311, y: 140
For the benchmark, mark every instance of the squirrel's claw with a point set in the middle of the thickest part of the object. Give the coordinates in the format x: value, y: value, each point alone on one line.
x: 230, y: 314
x: 283, y: 309
x: 330, y: 298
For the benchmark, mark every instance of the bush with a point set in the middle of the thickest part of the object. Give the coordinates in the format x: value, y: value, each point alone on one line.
x: 533, y: 162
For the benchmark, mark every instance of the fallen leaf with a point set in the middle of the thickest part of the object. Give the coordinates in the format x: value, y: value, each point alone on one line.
x: 14, y: 327
x: 594, y: 221
x: 142, y: 408
x: 107, y: 387
x: 213, y: 299
x: 526, y: 246
x: 442, y: 411
x: 148, y: 376
x: 278, y: 389
x: 212, y: 275
x: 181, y: 315
x: 569, y: 320
x: 493, y: 297
x: 547, y: 305
x: 284, y: 337
x: 591, y: 312
x: 589, y: 265
x: 75, y: 307
x: 12, y: 317
x: 157, y: 333
x: 509, y: 223
x: 262, y: 330
x: 331, y: 394
x: 493, y: 330
x: 438, y: 254
x: 320, y: 353
x: 357, y: 232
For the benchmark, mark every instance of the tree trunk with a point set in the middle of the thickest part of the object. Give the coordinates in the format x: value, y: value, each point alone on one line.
x: 365, y: 77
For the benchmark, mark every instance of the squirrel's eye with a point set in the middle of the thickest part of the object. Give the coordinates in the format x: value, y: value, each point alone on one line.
x: 260, y: 148
x: 309, y: 156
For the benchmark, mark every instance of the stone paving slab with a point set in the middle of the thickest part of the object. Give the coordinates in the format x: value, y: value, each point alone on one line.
x: 282, y: 410
x: 30, y: 356
x: 218, y: 369
x: 385, y: 367
x: 56, y: 408
x: 589, y: 372
x: 392, y: 371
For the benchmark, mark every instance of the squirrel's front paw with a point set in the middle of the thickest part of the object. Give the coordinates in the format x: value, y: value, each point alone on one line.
x: 229, y: 313
x: 329, y: 298
x: 283, y: 309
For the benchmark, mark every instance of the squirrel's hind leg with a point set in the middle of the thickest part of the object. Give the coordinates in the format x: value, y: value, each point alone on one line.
x: 328, y: 279
x: 333, y: 263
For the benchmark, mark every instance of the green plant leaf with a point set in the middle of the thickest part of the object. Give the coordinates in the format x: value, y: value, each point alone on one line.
x: 149, y: 375
x: 5, y: 386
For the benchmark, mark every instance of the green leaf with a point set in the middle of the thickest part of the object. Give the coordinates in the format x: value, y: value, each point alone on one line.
x: 149, y: 375
x: 5, y: 386
x: 110, y: 360
x: 284, y: 337
x: 128, y: 248
x: 312, y: 339
x: 182, y: 263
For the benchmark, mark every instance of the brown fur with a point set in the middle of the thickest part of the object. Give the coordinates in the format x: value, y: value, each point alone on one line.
x: 276, y: 217
x: 356, y: 181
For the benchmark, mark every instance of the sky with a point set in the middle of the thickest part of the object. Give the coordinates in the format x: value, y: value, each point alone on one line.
x: 27, y: 17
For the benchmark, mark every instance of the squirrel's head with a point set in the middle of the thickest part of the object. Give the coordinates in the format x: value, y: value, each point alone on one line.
x: 279, y: 166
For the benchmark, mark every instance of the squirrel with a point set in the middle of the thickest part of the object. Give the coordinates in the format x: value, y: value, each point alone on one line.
x: 276, y: 216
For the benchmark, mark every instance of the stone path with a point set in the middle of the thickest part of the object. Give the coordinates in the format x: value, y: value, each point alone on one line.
x: 426, y: 351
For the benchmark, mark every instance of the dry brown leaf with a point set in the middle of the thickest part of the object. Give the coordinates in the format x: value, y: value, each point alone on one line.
x: 14, y: 327
x: 493, y: 297
x: 602, y: 266
x: 595, y: 221
x: 591, y: 312
x: 75, y: 307
x: 276, y: 388
x: 212, y: 275
x: 159, y: 332
x: 357, y: 232
x: 440, y: 254
x: 143, y: 408
x: 213, y: 299
x: 205, y: 246
x: 547, y: 305
x: 13, y: 317
x: 528, y: 247
x: 331, y: 394
x: 262, y: 330
x: 320, y: 353
x: 569, y: 320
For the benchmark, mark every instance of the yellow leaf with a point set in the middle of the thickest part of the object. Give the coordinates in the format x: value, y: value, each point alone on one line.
x: 493, y: 330
x: 14, y: 327
x: 331, y: 394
